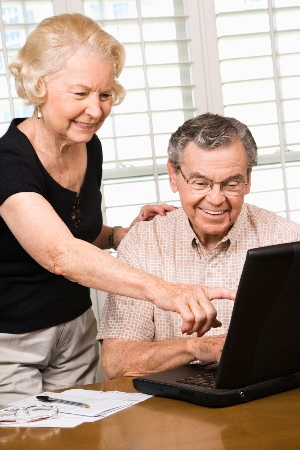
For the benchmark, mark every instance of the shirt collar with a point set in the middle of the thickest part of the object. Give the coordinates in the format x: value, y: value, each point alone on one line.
x: 235, y: 231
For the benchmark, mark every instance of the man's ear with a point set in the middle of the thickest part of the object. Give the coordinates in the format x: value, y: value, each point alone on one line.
x: 172, y: 177
x: 247, y: 190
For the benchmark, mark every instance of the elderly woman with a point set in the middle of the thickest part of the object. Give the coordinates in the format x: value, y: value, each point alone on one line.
x: 51, y: 231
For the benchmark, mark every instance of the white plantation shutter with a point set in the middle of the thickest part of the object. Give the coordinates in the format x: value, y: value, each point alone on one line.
x: 259, y: 51
x: 18, y: 20
x: 159, y: 98
x: 185, y: 57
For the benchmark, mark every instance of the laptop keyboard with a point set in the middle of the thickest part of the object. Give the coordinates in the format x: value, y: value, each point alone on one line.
x: 207, y: 380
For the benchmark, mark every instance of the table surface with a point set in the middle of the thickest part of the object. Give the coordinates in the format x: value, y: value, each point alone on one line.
x: 160, y: 423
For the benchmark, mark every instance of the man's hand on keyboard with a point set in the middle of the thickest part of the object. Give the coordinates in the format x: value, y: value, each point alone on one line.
x: 207, y: 349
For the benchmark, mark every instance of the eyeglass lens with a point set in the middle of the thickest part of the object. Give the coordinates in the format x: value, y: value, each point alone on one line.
x: 230, y: 188
x: 203, y: 185
x: 28, y: 414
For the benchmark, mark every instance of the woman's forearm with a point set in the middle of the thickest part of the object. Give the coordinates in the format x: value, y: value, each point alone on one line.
x: 86, y: 264
x: 47, y: 239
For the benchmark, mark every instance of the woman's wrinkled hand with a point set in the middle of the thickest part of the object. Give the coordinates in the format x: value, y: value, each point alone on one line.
x: 148, y: 212
x: 193, y: 303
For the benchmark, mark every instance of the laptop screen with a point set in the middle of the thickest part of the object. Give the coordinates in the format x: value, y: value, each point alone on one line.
x: 263, y: 340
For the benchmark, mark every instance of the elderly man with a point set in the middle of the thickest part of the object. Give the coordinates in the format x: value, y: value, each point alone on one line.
x: 205, y: 241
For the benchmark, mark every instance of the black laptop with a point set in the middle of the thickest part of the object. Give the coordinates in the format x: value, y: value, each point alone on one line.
x: 261, y: 355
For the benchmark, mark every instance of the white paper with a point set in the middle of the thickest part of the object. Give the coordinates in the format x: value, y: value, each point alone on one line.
x: 102, y: 404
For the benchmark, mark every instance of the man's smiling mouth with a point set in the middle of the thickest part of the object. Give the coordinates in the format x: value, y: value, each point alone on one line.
x: 213, y: 213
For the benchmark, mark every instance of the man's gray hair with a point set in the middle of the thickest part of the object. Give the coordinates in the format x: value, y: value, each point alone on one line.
x: 210, y: 131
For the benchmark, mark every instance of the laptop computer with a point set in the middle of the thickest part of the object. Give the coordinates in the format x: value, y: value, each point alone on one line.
x: 261, y: 354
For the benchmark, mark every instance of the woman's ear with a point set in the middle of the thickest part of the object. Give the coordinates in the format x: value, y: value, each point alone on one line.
x: 172, y: 177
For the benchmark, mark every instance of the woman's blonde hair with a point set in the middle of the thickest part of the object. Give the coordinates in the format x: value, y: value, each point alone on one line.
x: 55, y: 40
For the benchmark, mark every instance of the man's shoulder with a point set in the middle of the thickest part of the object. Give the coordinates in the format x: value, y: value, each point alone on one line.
x: 265, y: 219
x: 266, y: 214
x: 159, y: 224
x: 156, y: 233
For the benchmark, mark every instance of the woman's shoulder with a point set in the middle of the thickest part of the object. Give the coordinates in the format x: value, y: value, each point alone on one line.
x: 94, y: 144
x: 94, y: 148
x: 13, y: 137
x: 19, y: 167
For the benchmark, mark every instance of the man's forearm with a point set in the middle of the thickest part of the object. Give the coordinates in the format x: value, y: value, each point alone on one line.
x: 127, y: 358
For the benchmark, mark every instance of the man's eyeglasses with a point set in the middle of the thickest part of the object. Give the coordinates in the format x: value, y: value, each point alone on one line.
x: 76, y: 213
x: 28, y: 414
x: 201, y: 185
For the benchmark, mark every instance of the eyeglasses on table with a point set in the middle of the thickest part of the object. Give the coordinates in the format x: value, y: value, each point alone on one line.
x: 27, y: 414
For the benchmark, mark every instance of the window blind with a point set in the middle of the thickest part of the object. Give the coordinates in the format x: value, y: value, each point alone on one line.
x: 157, y: 77
x: 184, y: 57
x: 259, y: 51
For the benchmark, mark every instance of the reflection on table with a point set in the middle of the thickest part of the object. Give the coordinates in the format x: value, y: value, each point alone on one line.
x: 160, y: 423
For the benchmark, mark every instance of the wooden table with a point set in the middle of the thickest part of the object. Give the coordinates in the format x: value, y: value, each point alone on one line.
x: 161, y: 424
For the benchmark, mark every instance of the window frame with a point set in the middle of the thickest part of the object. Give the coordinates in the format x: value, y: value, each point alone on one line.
x: 206, y: 80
